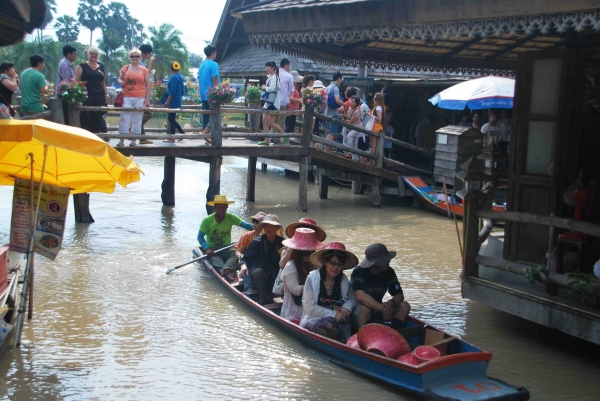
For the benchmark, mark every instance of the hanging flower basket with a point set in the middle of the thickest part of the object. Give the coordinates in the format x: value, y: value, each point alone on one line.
x: 72, y: 92
x: 314, y: 97
x: 221, y: 94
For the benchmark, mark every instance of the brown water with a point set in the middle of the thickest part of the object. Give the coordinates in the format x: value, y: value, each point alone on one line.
x: 109, y: 324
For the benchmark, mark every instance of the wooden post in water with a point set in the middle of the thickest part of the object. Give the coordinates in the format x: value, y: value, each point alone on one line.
x: 214, y: 181
x: 303, y: 186
x: 216, y: 127
x: 251, y: 179
x: 323, y: 185
x: 168, y: 185
x: 375, y: 186
x: 471, y: 235
x: 81, y: 202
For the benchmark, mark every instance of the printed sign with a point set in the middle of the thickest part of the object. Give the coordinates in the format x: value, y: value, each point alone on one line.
x: 50, y: 224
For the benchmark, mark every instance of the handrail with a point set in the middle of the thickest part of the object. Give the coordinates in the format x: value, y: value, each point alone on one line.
x: 345, y: 124
x: 195, y: 111
x: 36, y: 115
x: 337, y: 145
x: 406, y: 145
x: 552, y: 221
x: 406, y: 166
x: 517, y: 268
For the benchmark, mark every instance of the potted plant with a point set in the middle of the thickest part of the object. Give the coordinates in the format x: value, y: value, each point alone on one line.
x: 314, y: 97
x: 72, y: 93
x: 158, y: 90
x: 540, y: 275
x: 253, y: 95
x: 582, y: 284
x: 221, y: 94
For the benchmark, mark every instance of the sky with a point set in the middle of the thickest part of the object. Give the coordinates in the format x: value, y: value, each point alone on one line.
x: 196, y: 19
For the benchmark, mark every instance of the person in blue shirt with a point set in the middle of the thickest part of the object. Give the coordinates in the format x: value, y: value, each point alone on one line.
x: 208, y: 77
x: 175, y: 91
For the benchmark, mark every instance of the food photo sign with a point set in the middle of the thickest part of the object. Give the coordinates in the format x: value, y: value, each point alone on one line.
x: 50, y: 225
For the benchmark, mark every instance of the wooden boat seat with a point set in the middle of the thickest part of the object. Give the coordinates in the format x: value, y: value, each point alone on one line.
x: 272, y: 307
x: 252, y: 294
x: 278, y: 300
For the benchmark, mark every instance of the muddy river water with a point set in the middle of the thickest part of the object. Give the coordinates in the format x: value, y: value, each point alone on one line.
x: 110, y: 325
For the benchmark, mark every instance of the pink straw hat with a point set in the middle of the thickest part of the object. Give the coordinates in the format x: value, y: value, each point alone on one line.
x: 304, y: 239
x: 317, y: 258
x: 307, y: 223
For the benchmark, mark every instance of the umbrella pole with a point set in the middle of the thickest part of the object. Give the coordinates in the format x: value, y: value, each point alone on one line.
x: 31, y: 266
x: 21, y: 318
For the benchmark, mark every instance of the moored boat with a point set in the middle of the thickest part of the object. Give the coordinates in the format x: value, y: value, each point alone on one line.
x: 433, y: 201
x: 10, y: 274
x: 459, y: 373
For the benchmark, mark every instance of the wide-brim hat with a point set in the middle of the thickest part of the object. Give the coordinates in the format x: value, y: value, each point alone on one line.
x: 258, y: 216
x: 307, y: 223
x: 318, y: 84
x: 272, y: 220
x: 304, y: 239
x: 382, y: 340
x: 297, y: 77
x: 317, y: 258
x: 377, y: 255
x: 220, y: 200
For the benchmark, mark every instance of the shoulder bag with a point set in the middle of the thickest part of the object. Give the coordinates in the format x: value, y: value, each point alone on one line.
x: 270, y: 97
x: 119, y: 99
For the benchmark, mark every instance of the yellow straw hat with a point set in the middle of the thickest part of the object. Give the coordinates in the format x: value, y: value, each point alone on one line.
x: 220, y: 200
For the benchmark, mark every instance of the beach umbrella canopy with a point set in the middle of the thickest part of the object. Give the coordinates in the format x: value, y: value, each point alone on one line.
x: 477, y: 94
x: 75, y: 157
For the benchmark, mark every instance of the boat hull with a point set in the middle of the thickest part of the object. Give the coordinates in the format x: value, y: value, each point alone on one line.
x: 444, y: 379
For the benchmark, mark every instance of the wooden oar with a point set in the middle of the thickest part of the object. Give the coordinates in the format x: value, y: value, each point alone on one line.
x: 199, y: 258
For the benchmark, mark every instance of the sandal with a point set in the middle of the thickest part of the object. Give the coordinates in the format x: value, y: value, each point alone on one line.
x: 133, y: 143
x: 120, y: 144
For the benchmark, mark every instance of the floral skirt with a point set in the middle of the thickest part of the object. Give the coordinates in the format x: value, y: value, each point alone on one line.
x: 316, y: 324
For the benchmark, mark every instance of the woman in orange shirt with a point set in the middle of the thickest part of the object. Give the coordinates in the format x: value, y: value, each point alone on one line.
x: 135, y: 81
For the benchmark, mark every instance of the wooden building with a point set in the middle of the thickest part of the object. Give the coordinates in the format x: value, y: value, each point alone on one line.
x: 454, y: 146
x: 18, y: 18
x: 553, y: 50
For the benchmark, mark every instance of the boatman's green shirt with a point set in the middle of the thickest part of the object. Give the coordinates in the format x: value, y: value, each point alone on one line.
x: 218, y: 235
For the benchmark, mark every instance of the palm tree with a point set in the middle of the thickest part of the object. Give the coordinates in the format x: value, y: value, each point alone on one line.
x: 167, y: 46
x: 67, y: 29
x: 50, y: 10
x: 89, y: 14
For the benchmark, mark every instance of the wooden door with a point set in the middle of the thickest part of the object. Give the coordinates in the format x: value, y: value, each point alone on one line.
x: 545, y: 98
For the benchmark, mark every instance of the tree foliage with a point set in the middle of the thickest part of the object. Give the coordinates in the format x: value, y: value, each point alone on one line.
x: 88, y: 14
x: 167, y: 47
x: 194, y: 60
x: 67, y: 29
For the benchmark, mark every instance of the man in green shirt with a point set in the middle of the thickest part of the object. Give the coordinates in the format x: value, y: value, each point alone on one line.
x: 215, y: 233
x: 33, y: 86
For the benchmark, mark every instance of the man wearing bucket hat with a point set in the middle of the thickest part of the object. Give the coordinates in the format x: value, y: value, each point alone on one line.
x: 370, y: 281
x: 215, y: 233
x: 262, y: 256
x: 242, y: 246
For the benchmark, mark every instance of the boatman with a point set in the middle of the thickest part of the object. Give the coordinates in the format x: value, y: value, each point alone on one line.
x: 215, y: 233
x: 370, y: 281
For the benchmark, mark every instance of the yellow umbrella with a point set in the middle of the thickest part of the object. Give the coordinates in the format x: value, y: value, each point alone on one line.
x: 71, y: 157
x: 75, y: 157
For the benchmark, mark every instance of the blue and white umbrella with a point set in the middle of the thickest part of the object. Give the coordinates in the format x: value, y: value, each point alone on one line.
x: 477, y: 94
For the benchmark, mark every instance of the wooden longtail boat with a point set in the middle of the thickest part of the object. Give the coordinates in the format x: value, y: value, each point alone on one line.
x: 9, y: 295
x: 459, y: 374
x: 429, y: 198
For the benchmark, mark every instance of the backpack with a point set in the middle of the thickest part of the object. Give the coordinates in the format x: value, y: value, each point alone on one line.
x: 331, y: 97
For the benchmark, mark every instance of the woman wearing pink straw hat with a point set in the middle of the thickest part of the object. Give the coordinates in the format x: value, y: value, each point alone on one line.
x: 305, y: 222
x: 328, y: 298
x: 302, y: 245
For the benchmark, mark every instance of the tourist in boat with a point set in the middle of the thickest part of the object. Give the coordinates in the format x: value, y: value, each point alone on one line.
x: 301, y: 246
x: 271, y: 97
x: 215, y: 233
x: 242, y: 246
x: 370, y: 281
x: 290, y: 230
x: 328, y: 299
x: 262, y: 257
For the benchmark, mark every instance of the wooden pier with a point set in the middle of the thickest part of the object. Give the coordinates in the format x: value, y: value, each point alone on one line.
x: 304, y: 149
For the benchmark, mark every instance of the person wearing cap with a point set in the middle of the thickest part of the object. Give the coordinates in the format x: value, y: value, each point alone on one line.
x: 241, y: 247
x: 328, y: 299
x: 174, y: 100
x: 295, y: 102
x: 302, y: 244
x: 215, y: 233
x: 262, y: 256
x: 370, y: 281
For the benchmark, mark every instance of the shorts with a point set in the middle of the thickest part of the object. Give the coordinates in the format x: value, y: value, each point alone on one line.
x: 333, y: 128
x: 362, y: 145
x: 271, y: 107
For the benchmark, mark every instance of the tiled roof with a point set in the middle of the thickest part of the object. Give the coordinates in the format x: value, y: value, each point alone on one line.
x: 283, y: 4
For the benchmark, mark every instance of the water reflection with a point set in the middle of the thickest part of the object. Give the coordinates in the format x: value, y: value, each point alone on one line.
x: 109, y: 324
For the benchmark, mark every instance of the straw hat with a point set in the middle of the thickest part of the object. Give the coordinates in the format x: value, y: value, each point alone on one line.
x: 272, y: 220
x: 307, y: 223
x: 318, y: 84
x: 297, y: 77
x: 258, y: 216
x: 336, y: 247
x: 304, y: 239
x: 378, y: 255
x: 382, y: 340
x: 220, y: 200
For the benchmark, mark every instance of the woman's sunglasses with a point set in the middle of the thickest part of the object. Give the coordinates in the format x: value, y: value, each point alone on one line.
x: 134, y: 56
x: 336, y: 264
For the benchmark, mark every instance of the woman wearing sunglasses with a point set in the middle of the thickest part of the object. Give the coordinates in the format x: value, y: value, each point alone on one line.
x: 135, y: 81
x: 328, y: 299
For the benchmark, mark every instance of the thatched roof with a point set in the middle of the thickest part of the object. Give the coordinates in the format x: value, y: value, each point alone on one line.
x: 18, y: 18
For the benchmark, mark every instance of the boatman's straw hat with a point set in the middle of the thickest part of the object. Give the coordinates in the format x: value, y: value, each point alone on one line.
x: 220, y: 200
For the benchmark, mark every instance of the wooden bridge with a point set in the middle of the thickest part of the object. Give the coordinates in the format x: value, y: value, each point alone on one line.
x: 305, y: 149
